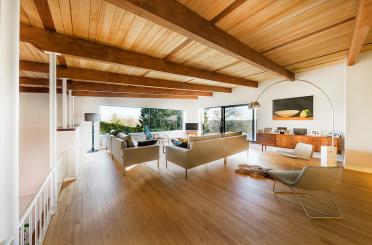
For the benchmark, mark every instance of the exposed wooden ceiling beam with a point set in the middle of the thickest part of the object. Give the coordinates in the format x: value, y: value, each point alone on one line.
x: 25, y: 89
x: 64, y: 44
x: 100, y: 87
x: 45, y: 89
x: 43, y: 9
x: 103, y: 76
x: 177, y: 17
x: 27, y: 81
x: 234, y: 5
x: 128, y: 95
x: 363, y: 23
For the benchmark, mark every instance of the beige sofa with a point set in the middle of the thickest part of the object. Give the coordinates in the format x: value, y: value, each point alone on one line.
x: 205, y: 149
x: 133, y: 155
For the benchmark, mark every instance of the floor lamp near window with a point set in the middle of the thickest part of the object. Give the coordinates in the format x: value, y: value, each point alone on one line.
x: 92, y: 117
x: 328, y: 153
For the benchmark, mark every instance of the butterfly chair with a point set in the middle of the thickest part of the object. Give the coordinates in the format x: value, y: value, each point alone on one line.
x: 301, y: 152
x: 148, y: 134
x: 310, y: 178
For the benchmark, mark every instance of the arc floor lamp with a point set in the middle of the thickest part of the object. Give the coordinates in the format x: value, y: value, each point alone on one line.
x: 328, y: 153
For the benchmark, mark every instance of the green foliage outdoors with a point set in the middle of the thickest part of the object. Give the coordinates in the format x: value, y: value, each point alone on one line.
x: 232, y: 119
x: 161, y: 119
x: 105, y: 127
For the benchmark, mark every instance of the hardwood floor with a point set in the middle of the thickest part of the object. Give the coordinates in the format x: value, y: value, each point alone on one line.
x: 213, y: 206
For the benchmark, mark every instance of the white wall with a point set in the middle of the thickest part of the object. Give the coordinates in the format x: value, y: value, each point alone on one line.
x: 34, y: 140
x: 331, y: 79
x: 358, y: 147
x: 91, y: 104
x: 355, y: 94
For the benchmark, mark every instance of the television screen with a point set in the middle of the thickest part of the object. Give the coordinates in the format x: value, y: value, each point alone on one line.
x: 191, y: 126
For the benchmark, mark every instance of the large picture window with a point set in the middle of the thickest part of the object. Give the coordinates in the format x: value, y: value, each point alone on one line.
x: 229, y: 119
x: 133, y: 119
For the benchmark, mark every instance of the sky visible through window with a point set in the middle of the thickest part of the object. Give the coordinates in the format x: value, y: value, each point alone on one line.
x: 122, y: 112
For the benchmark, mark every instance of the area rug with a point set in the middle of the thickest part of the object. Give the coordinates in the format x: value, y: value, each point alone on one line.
x: 254, y: 171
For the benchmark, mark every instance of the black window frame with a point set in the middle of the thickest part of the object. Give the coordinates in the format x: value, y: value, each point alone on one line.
x: 223, y: 119
x: 154, y: 108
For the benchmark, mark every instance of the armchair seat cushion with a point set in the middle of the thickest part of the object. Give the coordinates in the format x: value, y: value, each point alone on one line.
x: 287, y: 177
x: 287, y: 154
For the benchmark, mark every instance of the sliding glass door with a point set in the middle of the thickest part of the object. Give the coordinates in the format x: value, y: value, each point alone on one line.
x: 212, y: 120
x: 229, y: 119
x: 239, y: 118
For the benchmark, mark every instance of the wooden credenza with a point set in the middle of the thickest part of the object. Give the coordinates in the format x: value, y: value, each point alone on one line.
x: 290, y: 141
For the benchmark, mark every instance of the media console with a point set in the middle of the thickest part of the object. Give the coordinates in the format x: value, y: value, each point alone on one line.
x: 290, y: 141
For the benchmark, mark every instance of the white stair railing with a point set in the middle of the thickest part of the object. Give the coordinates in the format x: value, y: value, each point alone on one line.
x: 7, y: 241
x: 34, y: 222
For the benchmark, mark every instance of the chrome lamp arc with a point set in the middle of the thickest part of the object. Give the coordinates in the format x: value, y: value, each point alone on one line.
x: 256, y: 105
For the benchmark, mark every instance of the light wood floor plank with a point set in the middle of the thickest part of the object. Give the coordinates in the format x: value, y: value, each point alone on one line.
x: 214, y: 205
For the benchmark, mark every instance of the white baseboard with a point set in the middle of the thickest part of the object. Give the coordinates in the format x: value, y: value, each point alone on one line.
x: 357, y: 168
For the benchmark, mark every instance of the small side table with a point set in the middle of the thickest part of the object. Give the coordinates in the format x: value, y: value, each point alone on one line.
x: 162, y: 140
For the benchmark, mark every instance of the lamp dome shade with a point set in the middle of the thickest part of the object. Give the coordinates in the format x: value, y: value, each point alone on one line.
x: 254, y: 105
x: 91, y: 117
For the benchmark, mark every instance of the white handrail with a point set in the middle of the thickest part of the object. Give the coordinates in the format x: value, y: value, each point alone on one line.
x: 36, y: 196
x: 8, y: 241
x: 36, y: 217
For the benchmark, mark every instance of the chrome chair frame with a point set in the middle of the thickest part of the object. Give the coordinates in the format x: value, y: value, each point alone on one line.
x: 295, y: 193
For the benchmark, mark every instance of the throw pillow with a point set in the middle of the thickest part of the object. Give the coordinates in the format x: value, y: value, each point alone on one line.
x: 124, y: 144
x: 121, y: 135
x: 127, y: 138
x: 113, y: 132
x: 130, y: 141
x: 184, y: 143
x: 146, y: 143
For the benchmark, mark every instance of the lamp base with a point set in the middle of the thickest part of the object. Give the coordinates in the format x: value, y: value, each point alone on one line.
x: 328, y: 156
x: 92, y: 151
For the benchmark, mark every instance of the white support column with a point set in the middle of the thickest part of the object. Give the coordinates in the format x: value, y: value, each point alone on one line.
x: 9, y: 123
x: 70, y: 108
x: 53, y: 123
x: 52, y: 108
x: 64, y: 102
x: 73, y: 110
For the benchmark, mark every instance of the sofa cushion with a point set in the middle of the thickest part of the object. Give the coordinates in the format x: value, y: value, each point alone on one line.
x: 184, y: 143
x: 231, y: 134
x: 124, y: 144
x: 146, y: 143
x: 204, y: 137
x: 129, y: 140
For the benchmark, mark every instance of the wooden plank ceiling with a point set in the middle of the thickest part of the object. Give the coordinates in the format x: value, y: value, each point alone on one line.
x: 297, y: 35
